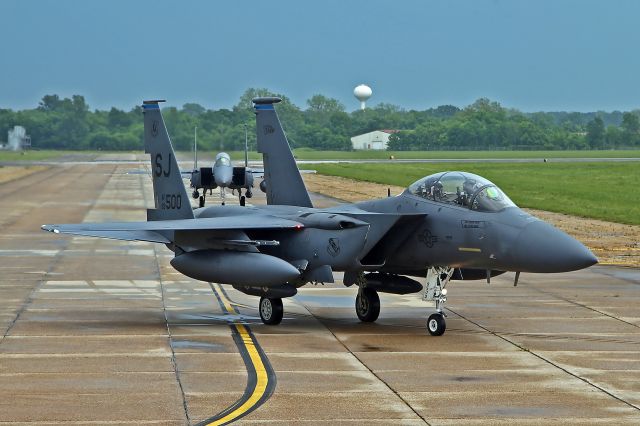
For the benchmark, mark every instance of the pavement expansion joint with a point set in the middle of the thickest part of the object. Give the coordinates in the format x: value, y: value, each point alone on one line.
x: 548, y: 361
x: 384, y: 383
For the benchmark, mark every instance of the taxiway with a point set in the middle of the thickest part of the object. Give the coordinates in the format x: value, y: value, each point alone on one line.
x: 107, y: 332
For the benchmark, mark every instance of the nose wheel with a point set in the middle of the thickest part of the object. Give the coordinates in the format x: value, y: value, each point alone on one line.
x: 436, y: 324
x: 271, y: 310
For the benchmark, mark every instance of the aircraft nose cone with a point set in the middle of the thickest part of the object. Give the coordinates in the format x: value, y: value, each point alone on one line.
x: 223, y: 177
x: 542, y: 248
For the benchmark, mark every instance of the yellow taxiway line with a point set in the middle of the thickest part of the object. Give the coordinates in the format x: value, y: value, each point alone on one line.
x: 263, y: 383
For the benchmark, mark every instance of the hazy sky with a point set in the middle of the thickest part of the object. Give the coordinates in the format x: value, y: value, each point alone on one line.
x: 531, y: 55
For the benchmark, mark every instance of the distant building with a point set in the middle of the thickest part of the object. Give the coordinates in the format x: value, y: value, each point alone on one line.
x: 18, y: 139
x: 378, y: 139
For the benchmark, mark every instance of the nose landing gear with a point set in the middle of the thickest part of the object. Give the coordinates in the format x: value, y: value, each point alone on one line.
x: 437, y: 280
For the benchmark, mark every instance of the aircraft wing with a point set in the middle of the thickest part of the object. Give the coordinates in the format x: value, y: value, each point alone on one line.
x: 156, y: 231
x: 257, y: 173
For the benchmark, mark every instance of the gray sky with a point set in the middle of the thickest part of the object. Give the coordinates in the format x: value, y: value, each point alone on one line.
x: 532, y: 55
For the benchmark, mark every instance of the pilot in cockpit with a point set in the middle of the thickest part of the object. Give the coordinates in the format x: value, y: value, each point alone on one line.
x: 435, y: 192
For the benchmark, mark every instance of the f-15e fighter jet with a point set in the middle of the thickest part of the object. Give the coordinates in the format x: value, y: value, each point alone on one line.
x: 450, y: 225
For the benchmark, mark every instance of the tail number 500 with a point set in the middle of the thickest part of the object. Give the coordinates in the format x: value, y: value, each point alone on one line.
x: 170, y: 201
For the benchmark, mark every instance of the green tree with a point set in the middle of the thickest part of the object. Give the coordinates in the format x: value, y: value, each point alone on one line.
x: 68, y: 123
x: 614, y: 137
x: 631, y: 128
x: 118, y: 119
x: 596, y: 133
x: 323, y: 104
x: 193, y: 109
x: 49, y: 103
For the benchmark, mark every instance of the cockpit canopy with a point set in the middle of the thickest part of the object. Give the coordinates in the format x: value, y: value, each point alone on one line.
x: 462, y: 189
x: 222, y: 159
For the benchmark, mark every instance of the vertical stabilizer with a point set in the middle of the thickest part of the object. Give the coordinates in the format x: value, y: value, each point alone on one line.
x: 169, y: 193
x: 284, y: 183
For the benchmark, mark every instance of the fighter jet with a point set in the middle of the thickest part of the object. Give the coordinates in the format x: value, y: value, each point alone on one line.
x: 222, y: 175
x: 447, y: 226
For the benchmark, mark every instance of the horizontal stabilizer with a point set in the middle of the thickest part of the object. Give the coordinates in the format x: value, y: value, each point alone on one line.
x: 148, y: 236
x: 211, y: 223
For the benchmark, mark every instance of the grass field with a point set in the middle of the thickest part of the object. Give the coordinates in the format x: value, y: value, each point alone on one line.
x: 608, y: 191
x: 309, y: 154
x: 30, y: 155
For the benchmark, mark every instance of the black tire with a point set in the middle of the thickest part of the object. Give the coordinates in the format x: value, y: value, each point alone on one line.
x: 195, y: 195
x: 271, y: 311
x: 367, y: 305
x: 201, y: 201
x: 436, y: 324
x: 243, y: 201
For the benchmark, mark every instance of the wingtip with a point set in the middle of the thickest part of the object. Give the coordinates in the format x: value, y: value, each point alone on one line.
x: 50, y: 228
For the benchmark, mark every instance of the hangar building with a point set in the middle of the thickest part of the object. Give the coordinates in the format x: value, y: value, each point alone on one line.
x: 378, y: 139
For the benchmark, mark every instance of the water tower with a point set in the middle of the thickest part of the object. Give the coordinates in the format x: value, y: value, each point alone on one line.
x: 362, y: 93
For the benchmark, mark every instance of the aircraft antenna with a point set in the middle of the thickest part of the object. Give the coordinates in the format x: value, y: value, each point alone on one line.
x: 246, y: 146
x: 195, y: 148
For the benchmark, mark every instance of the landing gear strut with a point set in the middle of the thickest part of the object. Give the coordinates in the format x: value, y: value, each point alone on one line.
x: 271, y: 310
x: 437, y: 280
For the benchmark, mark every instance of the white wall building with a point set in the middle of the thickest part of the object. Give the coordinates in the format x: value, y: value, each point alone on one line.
x: 378, y: 139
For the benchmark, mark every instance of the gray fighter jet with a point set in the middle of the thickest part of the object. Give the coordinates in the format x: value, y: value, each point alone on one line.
x: 222, y: 175
x: 447, y: 226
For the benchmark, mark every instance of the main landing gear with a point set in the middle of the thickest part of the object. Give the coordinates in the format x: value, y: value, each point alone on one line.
x: 201, y: 198
x: 271, y: 310
x: 367, y: 304
x: 243, y: 198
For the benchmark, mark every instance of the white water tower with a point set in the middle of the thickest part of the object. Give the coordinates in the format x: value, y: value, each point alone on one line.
x: 362, y: 93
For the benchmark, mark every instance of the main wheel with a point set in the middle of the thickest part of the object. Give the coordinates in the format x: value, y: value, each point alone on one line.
x: 201, y: 201
x: 242, y: 200
x: 367, y: 305
x: 436, y: 324
x: 271, y: 310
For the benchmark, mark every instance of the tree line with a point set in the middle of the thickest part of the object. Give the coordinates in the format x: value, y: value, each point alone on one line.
x: 324, y: 124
